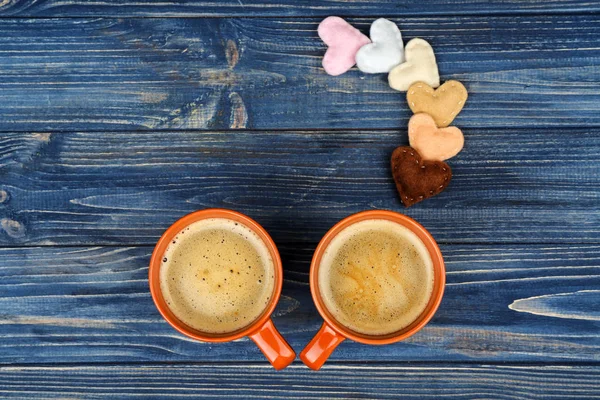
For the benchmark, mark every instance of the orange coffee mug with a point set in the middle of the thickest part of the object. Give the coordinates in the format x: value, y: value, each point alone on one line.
x: 261, y: 331
x: 333, y: 333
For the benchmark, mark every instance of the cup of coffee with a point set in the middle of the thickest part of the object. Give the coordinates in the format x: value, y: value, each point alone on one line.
x: 376, y: 277
x: 215, y: 275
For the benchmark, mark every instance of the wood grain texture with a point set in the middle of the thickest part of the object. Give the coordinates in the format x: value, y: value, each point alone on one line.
x: 65, y: 305
x: 286, y: 8
x: 127, y: 188
x: 378, y: 381
x: 120, y: 125
x: 227, y: 73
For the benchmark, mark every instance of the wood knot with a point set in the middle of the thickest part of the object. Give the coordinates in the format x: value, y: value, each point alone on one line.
x: 13, y: 228
x: 43, y: 137
x: 231, y: 53
x: 238, y: 118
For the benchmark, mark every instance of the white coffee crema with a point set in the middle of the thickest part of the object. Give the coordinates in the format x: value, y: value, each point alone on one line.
x: 376, y: 277
x: 217, y: 276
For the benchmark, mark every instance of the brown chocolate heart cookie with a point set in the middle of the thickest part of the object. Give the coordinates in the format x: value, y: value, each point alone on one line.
x: 417, y: 179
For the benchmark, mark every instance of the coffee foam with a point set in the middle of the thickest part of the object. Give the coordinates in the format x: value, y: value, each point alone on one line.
x: 217, y: 276
x: 376, y: 277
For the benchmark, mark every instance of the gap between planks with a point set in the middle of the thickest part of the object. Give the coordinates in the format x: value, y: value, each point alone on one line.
x: 419, y: 364
x: 384, y: 14
x: 294, y: 131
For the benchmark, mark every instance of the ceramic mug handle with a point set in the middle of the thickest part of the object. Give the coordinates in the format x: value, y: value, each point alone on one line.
x: 273, y: 345
x: 320, y: 347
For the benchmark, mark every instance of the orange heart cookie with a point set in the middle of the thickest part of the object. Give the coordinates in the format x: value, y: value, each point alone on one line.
x: 443, y: 103
x: 433, y: 143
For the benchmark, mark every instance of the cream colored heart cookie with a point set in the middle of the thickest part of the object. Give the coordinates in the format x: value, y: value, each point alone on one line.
x: 420, y: 65
x: 433, y: 143
x: 443, y: 103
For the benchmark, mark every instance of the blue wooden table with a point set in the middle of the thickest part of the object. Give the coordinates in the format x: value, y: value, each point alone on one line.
x: 117, y: 118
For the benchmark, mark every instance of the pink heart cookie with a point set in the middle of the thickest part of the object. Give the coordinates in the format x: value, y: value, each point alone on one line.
x: 343, y: 41
x: 433, y: 143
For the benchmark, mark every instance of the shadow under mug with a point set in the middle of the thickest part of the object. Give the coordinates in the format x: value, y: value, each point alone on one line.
x: 261, y: 331
x: 333, y: 333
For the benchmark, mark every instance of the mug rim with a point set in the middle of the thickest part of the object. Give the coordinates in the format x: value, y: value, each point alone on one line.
x: 438, y: 266
x: 160, y: 248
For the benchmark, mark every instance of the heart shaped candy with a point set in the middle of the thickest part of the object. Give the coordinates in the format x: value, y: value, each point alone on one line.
x: 443, y: 103
x: 386, y: 50
x: 343, y: 41
x: 420, y: 65
x: 416, y: 179
x: 431, y: 142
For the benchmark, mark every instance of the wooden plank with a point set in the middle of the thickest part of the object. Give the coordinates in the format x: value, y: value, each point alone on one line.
x: 286, y: 8
x: 127, y: 188
x: 378, y: 381
x: 503, y: 303
x: 180, y: 73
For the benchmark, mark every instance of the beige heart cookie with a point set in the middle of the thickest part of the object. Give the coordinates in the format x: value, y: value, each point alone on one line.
x: 443, y: 103
x: 420, y: 65
x: 433, y: 143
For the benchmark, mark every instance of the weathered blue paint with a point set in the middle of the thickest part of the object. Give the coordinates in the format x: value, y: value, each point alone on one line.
x: 173, y: 73
x: 113, y: 127
x: 373, y: 381
x: 287, y: 8
x: 93, y: 305
x: 509, y: 185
